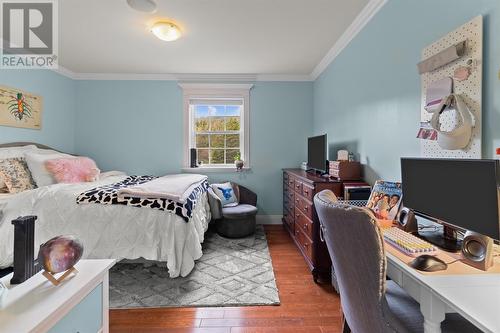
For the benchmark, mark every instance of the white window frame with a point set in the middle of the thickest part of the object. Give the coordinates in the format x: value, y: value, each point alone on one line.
x: 208, y: 91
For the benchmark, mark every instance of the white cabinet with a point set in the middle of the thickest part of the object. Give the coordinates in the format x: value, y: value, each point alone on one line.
x: 80, y: 304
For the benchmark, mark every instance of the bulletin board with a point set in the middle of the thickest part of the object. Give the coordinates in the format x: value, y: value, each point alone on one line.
x: 470, y: 89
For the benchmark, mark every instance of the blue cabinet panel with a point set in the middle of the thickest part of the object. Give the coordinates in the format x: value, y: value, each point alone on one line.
x: 86, y: 317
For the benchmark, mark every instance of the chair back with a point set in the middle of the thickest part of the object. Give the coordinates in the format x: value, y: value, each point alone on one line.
x: 355, y: 245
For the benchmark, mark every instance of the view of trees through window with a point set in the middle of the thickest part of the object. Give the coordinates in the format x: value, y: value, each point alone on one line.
x: 217, y: 133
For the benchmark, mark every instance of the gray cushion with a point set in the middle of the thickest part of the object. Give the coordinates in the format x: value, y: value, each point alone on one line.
x: 239, y: 211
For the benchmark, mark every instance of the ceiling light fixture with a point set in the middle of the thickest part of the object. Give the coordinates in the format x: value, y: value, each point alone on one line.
x: 146, y: 6
x: 166, y: 31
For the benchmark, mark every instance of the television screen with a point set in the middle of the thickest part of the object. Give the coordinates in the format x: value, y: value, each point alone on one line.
x: 463, y: 193
x: 317, y: 153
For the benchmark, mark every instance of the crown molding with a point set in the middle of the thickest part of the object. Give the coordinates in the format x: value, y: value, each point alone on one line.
x: 216, y: 77
x: 215, y: 86
x: 124, y: 77
x: 65, y: 72
x: 182, y: 77
x: 284, y: 77
x: 356, y: 26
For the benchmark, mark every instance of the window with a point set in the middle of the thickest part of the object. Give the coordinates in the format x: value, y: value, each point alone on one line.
x: 216, y: 120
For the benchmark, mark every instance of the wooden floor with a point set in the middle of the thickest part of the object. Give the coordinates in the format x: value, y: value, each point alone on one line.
x: 305, y: 307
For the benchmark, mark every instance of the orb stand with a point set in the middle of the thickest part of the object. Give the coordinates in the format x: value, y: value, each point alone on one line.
x: 55, y: 281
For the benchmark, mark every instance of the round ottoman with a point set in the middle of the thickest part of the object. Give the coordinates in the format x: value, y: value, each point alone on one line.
x: 237, y: 221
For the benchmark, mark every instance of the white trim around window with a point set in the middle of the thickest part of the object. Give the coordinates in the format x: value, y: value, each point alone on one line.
x: 216, y: 92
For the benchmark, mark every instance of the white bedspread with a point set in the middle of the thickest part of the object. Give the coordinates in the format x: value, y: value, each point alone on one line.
x: 174, y: 187
x: 107, y: 231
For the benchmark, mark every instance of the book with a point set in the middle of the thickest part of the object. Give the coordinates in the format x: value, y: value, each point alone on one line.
x: 385, y: 199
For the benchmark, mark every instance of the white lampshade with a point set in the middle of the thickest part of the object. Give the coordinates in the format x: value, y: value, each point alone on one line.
x: 166, y: 31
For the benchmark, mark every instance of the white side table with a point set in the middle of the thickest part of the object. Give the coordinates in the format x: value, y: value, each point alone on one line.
x: 79, y: 304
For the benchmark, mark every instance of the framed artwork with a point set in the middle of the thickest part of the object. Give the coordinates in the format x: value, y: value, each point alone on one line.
x: 20, y: 109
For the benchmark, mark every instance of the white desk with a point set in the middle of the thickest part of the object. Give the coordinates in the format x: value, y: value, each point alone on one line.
x: 474, y: 296
x: 79, y: 304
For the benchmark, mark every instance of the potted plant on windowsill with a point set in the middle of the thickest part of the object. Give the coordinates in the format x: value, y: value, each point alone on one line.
x: 238, y: 162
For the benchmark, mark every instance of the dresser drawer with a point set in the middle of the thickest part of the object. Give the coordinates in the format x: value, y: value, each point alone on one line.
x: 304, y: 243
x: 298, y: 186
x: 308, y: 191
x: 304, y: 205
x: 290, y: 182
x: 303, y: 223
x: 289, y: 220
x: 288, y: 204
x: 289, y: 195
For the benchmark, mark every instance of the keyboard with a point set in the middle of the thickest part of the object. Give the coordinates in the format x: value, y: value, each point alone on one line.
x: 407, y: 243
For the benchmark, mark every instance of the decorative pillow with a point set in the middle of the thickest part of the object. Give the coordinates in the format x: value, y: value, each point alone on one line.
x: 3, y: 186
x: 10, y: 152
x: 36, y: 163
x: 16, y: 175
x: 73, y: 170
x: 226, y: 193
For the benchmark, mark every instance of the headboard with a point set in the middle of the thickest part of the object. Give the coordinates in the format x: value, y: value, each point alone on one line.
x: 20, y: 144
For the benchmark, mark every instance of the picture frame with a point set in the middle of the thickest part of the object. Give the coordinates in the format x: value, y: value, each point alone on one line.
x: 19, y: 108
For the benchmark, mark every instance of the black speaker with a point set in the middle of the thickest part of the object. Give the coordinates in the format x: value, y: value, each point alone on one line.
x: 407, y: 220
x: 194, y: 162
x: 477, y: 250
x: 25, y: 265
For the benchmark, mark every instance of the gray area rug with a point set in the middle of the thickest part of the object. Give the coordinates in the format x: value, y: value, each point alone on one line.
x: 231, y: 272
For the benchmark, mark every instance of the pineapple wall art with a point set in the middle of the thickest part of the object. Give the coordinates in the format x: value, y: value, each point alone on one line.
x: 20, y: 108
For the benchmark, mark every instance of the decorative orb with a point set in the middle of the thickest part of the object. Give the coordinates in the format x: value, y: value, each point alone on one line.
x: 60, y: 253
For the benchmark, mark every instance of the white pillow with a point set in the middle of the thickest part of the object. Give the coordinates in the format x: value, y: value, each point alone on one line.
x: 36, y: 164
x: 12, y: 152
x: 226, y: 194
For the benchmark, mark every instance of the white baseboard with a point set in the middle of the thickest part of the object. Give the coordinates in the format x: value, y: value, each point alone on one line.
x: 269, y: 219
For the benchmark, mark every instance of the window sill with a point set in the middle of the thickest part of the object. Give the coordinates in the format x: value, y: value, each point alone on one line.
x: 214, y: 169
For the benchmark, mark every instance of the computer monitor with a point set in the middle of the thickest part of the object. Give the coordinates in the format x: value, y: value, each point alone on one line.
x: 317, y: 153
x: 462, y: 193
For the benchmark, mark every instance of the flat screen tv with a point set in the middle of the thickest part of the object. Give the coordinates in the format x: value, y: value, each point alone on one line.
x: 317, y: 153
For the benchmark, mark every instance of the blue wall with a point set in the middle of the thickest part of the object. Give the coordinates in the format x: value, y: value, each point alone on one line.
x: 58, y: 117
x: 368, y: 99
x: 137, y: 126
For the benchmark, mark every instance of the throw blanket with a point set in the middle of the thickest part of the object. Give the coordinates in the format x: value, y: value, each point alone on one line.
x: 174, y: 187
x: 108, y: 195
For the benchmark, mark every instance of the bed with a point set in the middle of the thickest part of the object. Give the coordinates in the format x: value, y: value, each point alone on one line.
x: 106, y: 231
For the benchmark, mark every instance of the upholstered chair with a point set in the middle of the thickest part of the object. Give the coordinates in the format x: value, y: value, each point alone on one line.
x: 369, y: 302
x: 238, y: 221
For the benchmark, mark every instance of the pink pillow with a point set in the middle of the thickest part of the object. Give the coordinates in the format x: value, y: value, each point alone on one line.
x: 73, y: 170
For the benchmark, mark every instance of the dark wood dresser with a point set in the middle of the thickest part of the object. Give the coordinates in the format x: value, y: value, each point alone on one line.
x: 301, y: 220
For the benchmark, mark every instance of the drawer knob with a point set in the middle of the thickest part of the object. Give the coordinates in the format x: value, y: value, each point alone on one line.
x: 306, y: 207
x: 297, y: 215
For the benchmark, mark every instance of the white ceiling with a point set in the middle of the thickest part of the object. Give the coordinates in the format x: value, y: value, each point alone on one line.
x: 219, y: 36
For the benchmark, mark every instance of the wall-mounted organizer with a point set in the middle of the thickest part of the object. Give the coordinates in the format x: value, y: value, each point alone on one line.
x: 465, y: 68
